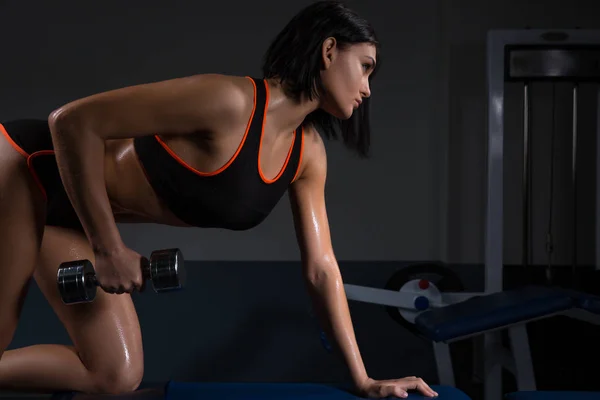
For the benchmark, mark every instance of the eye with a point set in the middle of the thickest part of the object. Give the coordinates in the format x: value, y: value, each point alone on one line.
x: 367, y: 66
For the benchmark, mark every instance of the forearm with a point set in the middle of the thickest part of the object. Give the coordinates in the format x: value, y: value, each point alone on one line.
x: 331, y: 305
x: 80, y: 159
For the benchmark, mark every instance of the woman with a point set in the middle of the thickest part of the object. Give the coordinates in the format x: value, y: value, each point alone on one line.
x: 203, y: 151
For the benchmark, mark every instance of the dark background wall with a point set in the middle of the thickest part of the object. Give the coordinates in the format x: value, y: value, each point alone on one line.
x: 421, y: 197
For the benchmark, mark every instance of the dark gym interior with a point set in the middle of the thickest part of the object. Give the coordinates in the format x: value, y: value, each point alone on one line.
x: 244, y: 315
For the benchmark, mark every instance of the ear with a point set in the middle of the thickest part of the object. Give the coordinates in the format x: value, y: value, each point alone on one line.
x: 328, y: 51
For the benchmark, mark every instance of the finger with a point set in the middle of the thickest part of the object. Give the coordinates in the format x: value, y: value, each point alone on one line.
x: 390, y: 390
x: 397, y: 391
x: 109, y: 290
x: 425, y: 388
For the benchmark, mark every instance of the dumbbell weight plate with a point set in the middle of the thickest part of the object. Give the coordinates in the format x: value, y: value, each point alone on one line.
x: 76, y: 282
x: 167, y: 270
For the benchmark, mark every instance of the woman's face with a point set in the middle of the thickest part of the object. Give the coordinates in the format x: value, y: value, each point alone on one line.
x: 345, y: 76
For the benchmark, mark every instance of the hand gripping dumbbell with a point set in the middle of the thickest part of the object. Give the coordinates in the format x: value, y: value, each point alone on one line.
x: 77, y: 279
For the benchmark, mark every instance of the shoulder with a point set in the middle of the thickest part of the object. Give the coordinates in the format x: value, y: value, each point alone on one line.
x: 227, y: 95
x: 226, y: 100
x: 231, y: 88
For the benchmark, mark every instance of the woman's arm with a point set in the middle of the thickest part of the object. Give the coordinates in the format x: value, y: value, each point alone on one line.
x: 323, y: 277
x: 196, y: 104
x: 319, y: 265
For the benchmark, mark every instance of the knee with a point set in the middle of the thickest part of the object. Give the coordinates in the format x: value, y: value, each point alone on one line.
x: 119, y: 380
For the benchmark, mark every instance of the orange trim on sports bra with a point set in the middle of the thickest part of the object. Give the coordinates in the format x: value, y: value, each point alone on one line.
x: 231, y: 160
x: 262, y: 131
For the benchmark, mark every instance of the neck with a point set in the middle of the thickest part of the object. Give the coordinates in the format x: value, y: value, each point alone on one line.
x: 285, y: 113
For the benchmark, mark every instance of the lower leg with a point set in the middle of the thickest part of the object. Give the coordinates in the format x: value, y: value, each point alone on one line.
x: 44, y: 368
x: 107, y: 353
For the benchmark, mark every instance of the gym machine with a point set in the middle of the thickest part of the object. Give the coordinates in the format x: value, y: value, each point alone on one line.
x: 517, y: 56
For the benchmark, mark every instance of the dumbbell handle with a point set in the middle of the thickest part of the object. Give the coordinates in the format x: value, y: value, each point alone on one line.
x: 146, y: 274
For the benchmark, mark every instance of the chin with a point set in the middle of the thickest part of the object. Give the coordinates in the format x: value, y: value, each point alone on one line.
x: 340, y: 112
x: 344, y: 114
x: 349, y: 113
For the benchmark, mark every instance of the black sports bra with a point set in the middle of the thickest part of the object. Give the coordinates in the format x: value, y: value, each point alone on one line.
x: 237, y: 196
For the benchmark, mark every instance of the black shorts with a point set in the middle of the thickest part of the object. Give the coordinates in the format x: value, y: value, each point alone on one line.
x: 32, y: 139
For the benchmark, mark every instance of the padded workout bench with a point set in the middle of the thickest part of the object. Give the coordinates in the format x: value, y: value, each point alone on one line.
x: 279, y: 391
x: 249, y: 391
x: 509, y: 310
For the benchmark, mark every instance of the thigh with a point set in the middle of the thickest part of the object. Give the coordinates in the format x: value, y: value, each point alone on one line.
x: 106, y: 332
x: 21, y: 226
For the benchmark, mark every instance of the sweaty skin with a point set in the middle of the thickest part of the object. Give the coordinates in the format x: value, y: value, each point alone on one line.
x: 131, y: 196
x: 201, y: 118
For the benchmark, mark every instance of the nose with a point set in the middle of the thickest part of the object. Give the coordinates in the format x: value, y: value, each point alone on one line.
x: 366, y: 89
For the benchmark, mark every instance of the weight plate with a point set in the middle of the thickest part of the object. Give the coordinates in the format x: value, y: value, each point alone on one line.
x: 441, y: 278
x: 76, y: 282
x: 167, y: 270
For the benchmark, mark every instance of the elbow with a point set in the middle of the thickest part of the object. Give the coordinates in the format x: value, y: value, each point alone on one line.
x: 318, y: 272
x: 58, y: 118
x: 66, y: 121
x: 55, y: 116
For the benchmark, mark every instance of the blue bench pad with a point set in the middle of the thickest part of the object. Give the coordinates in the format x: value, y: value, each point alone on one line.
x: 492, y: 311
x: 541, y: 395
x: 281, y: 391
